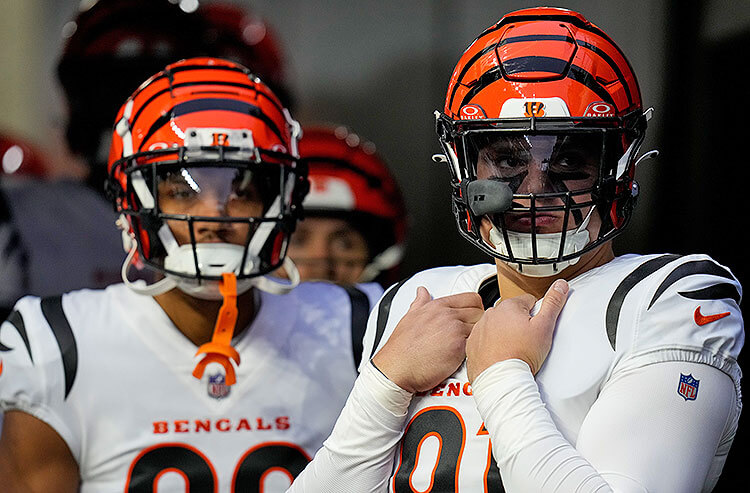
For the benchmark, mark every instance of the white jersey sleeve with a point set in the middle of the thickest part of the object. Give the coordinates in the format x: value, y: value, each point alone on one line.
x: 37, y: 353
x: 358, y: 456
x: 617, y: 449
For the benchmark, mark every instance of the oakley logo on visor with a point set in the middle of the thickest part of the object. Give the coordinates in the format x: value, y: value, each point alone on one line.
x: 600, y: 109
x: 472, y: 112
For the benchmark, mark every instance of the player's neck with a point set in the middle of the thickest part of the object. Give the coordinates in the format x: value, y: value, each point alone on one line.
x: 512, y: 283
x: 196, y: 318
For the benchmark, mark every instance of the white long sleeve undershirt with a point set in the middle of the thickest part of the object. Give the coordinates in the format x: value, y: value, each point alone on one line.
x: 639, y: 436
x: 358, y: 456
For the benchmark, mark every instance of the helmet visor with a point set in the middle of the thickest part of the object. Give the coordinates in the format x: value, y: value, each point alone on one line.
x: 217, y: 191
x: 538, y: 164
x: 553, y: 177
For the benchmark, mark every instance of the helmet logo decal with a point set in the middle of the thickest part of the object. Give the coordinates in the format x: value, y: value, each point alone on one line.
x: 472, y: 112
x: 600, y: 109
x: 158, y: 145
x: 534, y: 108
x: 220, y: 139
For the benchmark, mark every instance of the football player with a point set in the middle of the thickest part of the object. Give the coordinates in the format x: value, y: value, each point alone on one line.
x: 622, y: 377
x: 355, y: 220
x: 216, y: 377
x: 109, y: 48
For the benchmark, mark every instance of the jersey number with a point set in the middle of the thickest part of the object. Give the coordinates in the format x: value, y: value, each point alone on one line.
x: 200, y: 475
x: 446, y: 424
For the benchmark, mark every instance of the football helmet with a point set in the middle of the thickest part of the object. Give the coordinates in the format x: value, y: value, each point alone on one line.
x: 203, y: 169
x: 350, y: 180
x: 541, y: 127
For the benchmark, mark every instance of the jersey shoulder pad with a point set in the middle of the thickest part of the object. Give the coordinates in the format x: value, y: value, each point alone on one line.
x: 38, y: 361
x: 395, y: 302
x: 683, y: 307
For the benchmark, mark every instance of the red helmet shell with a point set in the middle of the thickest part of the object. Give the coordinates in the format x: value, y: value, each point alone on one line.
x: 540, y: 53
x: 198, y: 92
x: 347, y: 175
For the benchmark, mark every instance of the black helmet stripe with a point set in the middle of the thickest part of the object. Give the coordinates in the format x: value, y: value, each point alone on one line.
x: 535, y: 37
x: 535, y: 64
x: 466, y: 68
x: 487, y: 78
x: 214, y: 83
x: 211, y: 104
x: 612, y: 65
x: 580, y: 75
x: 538, y: 64
x: 168, y: 73
x: 516, y: 39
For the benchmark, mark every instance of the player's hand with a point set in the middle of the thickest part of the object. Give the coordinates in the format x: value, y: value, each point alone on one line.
x: 508, y: 331
x: 429, y: 343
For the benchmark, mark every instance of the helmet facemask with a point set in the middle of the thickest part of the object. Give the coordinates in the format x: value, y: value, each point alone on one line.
x: 520, y: 182
x: 199, y: 211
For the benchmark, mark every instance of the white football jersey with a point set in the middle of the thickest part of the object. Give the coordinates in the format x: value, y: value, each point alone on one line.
x: 112, y: 375
x: 629, y: 313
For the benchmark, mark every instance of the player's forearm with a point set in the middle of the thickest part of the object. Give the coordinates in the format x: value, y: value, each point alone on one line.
x: 530, y: 452
x: 358, y: 455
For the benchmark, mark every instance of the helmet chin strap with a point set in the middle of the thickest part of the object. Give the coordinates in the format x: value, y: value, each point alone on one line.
x: 207, y: 289
x: 548, y: 246
x: 385, y: 260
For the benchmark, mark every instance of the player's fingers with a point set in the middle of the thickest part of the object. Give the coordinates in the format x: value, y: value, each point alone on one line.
x: 469, y: 315
x: 523, y: 302
x: 465, y: 328
x: 553, y: 302
x: 461, y: 300
x: 422, y: 297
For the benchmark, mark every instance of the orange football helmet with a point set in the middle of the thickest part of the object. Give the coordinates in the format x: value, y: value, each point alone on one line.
x: 206, y: 130
x: 350, y: 180
x: 542, y: 124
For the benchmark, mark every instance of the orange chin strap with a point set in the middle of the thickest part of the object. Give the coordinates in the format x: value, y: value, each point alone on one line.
x: 220, y: 349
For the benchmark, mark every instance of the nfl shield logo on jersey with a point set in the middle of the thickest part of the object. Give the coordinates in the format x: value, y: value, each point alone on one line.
x: 688, y: 388
x: 217, y: 387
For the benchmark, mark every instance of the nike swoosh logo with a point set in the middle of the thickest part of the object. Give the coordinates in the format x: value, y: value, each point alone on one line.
x: 701, y: 319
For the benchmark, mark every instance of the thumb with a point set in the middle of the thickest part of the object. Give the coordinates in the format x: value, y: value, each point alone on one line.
x: 553, y: 302
x: 423, y: 296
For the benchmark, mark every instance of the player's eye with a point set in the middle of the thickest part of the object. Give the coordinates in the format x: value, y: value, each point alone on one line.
x: 177, y: 191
